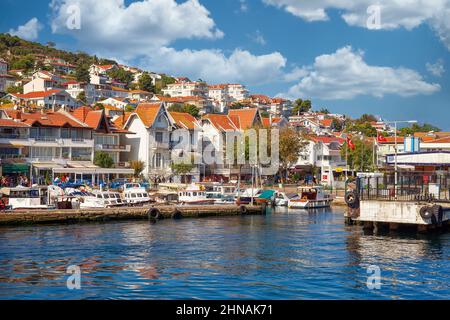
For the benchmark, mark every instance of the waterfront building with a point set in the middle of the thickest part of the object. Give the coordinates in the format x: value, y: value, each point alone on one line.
x: 150, y: 128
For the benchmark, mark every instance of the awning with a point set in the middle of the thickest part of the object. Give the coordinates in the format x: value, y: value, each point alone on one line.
x: 46, y: 165
x: 15, y: 168
x: 97, y: 170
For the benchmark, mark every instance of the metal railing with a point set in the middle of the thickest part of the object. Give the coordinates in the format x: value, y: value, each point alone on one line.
x: 410, y: 187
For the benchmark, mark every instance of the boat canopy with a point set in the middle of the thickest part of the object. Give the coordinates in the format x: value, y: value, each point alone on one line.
x: 267, y: 194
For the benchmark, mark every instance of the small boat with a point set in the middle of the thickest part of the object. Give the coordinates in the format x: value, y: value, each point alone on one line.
x: 282, y: 198
x: 311, y: 197
x: 266, y: 196
x: 220, y: 198
x: 247, y: 196
x: 194, y: 194
x: 135, y: 194
x: 97, y: 198
x: 26, y: 198
x: 169, y: 197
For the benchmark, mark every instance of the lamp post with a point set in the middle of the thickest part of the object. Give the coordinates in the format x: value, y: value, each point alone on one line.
x: 396, y: 151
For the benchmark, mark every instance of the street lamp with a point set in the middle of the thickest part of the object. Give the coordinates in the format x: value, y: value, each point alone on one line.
x: 396, y: 152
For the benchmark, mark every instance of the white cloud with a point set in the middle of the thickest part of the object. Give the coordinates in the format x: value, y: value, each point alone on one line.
x: 394, y: 13
x: 28, y: 31
x: 437, y: 69
x: 243, y: 5
x: 111, y: 26
x: 258, y: 37
x: 345, y: 75
x: 216, y: 66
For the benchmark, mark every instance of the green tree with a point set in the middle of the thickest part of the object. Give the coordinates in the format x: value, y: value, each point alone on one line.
x: 324, y: 111
x: 361, y: 157
x: 418, y: 128
x: 82, y: 97
x: 366, y: 118
x: 182, y: 169
x: 163, y: 82
x: 129, y: 108
x: 301, y: 106
x: 121, y: 75
x: 337, y: 125
x: 25, y: 63
x: 138, y: 166
x: 145, y: 82
x: 291, y: 146
x: 188, y: 108
x: 82, y: 74
x: 14, y: 89
x: 103, y: 160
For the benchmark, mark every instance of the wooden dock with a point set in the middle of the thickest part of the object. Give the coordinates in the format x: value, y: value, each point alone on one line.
x: 152, y: 213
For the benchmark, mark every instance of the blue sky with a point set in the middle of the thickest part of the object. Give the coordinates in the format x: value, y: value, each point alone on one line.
x: 293, y: 48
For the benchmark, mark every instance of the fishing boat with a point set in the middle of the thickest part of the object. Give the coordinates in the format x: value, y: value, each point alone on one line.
x: 194, y: 194
x: 311, y: 197
x: 282, y: 198
x: 25, y: 198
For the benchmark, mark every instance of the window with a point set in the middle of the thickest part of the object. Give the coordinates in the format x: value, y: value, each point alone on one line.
x: 81, y: 154
x: 159, y: 137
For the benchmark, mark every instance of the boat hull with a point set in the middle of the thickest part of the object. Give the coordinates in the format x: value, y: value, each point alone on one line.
x: 309, y: 204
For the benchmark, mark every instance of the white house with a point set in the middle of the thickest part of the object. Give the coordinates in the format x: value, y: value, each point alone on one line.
x: 150, y: 142
x: 50, y: 99
x: 186, y: 89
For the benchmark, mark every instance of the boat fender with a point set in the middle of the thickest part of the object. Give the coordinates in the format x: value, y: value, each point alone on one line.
x: 438, y: 212
x: 154, y: 214
x: 243, y: 210
x: 426, y: 212
x: 177, y: 214
x: 352, y: 199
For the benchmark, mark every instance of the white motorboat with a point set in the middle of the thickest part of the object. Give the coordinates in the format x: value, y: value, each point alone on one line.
x: 26, y: 198
x: 194, y: 194
x: 220, y: 198
x: 135, y: 194
x: 96, y: 198
x: 311, y: 197
x: 282, y: 198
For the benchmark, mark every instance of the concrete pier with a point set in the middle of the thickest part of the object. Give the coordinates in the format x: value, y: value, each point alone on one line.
x: 153, y: 213
x: 395, y: 215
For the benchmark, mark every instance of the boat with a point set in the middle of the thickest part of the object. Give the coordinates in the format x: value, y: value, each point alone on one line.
x: 25, y: 198
x: 311, y: 197
x: 135, y: 194
x: 247, y: 196
x: 194, y: 194
x: 282, y: 198
x: 96, y: 198
x: 266, y: 196
x: 220, y: 198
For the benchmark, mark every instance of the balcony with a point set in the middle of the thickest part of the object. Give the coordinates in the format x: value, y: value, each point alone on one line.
x: 113, y: 147
x: 160, y: 145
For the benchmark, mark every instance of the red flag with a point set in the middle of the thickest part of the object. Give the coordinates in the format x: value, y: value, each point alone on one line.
x: 350, y: 143
x: 381, y: 138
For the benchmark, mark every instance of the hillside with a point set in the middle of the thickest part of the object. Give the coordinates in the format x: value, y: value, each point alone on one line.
x: 20, y: 54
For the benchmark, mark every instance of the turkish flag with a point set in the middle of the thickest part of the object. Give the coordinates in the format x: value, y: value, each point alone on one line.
x: 381, y: 138
x: 350, y: 143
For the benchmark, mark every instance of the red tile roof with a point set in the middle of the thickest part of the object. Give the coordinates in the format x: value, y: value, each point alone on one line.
x: 327, y: 139
x: 12, y: 123
x: 184, y: 120
x: 37, y: 94
x: 247, y: 117
x: 147, y: 112
x: 221, y: 122
x: 49, y: 119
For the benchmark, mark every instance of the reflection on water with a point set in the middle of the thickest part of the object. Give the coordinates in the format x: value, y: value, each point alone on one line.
x: 284, y: 255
